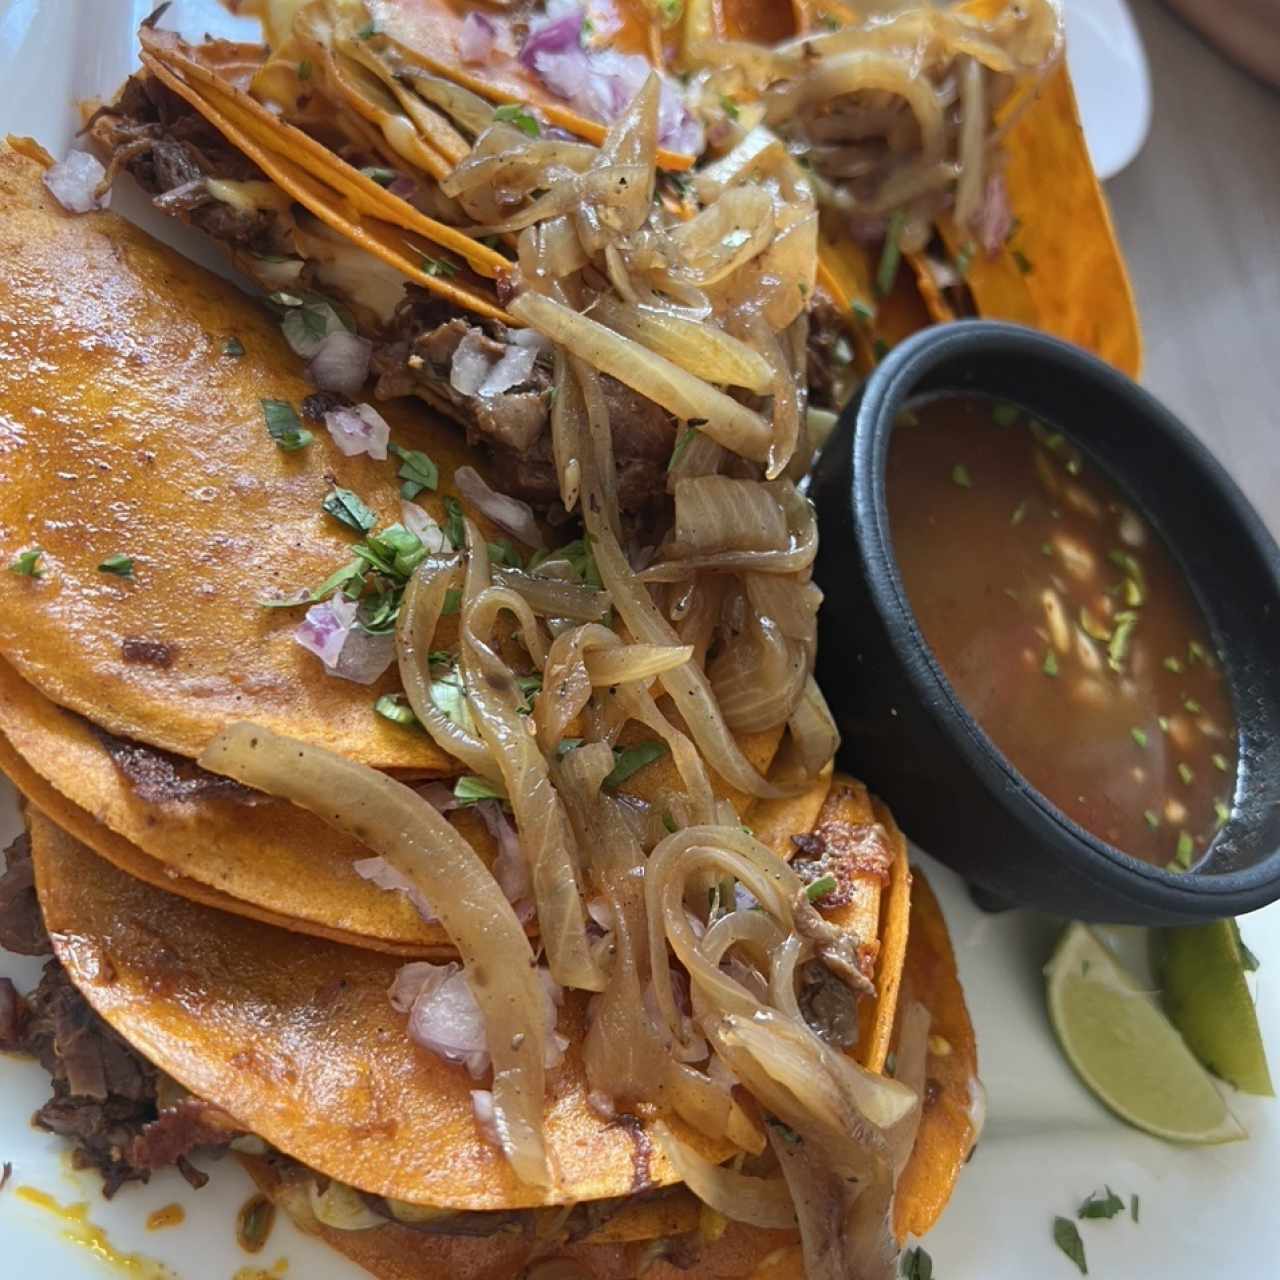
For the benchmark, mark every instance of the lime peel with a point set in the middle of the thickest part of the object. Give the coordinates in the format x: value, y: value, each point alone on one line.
x: 1126, y: 1050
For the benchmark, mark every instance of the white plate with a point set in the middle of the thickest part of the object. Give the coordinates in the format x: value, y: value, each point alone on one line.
x: 1112, y: 83
x: 1048, y: 1144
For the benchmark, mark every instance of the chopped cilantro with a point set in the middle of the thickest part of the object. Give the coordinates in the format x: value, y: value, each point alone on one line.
x: 1133, y: 1206
x: 349, y: 509
x: 454, y: 527
x: 821, y: 887
x: 669, y: 823
x: 964, y: 259
x: 452, y: 602
x: 1021, y: 261
x: 1097, y: 1206
x: 830, y: 21
x: 671, y: 10
x: 383, y: 177
x: 890, y: 255
x: 1050, y: 664
x: 916, y: 1264
x: 686, y: 439
x: 514, y: 113
x: 1174, y: 665
x: 1153, y: 819
x: 960, y: 475
x: 1067, y: 1237
x: 880, y: 348
x: 1118, y: 647
x: 417, y: 472
x: 730, y: 107
x: 233, y: 347
x: 1220, y: 762
x: 368, y: 31
x: 1185, y: 849
x: 530, y: 687
x: 1005, y: 414
x: 283, y: 426
x: 440, y: 267
x: 27, y: 565
x: 1192, y: 705
x: 629, y: 760
x: 470, y: 789
x: 503, y: 552
x: 1139, y: 736
x: 1185, y: 773
x: 120, y: 565
x: 864, y: 311
x: 395, y: 707
x: 1221, y: 813
x: 304, y: 69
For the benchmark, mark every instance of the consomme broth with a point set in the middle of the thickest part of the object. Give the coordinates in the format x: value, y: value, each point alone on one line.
x: 1063, y: 624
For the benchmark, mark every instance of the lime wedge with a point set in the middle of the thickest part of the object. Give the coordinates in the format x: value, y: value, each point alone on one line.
x: 1201, y: 968
x: 1126, y: 1050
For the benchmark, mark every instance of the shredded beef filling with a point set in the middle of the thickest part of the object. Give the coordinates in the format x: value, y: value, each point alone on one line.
x: 21, y: 925
x: 104, y: 1092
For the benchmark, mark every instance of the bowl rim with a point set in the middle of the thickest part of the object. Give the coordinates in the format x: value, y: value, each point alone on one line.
x: 892, y: 382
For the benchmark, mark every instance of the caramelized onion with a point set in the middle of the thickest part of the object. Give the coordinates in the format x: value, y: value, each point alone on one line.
x: 762, y: 1202
x: 417, y: 841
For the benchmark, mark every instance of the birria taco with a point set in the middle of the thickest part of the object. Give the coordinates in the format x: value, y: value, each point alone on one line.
x: 448, y: 819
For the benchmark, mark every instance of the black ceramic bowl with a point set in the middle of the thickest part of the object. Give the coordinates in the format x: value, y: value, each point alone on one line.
x: 904, y: 730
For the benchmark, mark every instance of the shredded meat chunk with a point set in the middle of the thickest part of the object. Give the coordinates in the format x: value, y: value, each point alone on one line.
x: 105, y: 1093
x: 21, y: 925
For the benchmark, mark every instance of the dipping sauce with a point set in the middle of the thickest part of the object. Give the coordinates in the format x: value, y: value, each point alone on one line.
x: 1063, y: 624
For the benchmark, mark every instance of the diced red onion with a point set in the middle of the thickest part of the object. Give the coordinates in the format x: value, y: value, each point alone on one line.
x: 601, y: 913
x: 380, y: 872
x: 443, y: 1014
x: 510, y: 514
x: 995, y: 218
x: 486, y: 1117
x: 445, y: 1019
x: 475, y: 40
x: 474, y: 370
x: 341, y: 363
x: 325, y: 627
x: 423, y: 527
x: 74, y: 181
x: 331, y: 632
x: 439, y: 796
x: 361, y: 429
x: 600, y: 83
x: 300, y: 323
x: 511, y: 867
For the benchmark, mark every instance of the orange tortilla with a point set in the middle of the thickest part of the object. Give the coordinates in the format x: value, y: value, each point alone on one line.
x: 953, y: 1091
x: 267, y: 859
x: 300, y: 1044
x: 1077, y: 281
x: 140, y: 436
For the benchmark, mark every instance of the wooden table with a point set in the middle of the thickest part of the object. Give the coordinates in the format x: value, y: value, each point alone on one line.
x: 1198, y: 214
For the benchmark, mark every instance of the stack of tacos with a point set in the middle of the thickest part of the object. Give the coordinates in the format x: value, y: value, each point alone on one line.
x: 447, y: 820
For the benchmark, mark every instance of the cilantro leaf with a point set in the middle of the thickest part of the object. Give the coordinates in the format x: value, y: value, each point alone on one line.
x: 452, y: 602
x: 383, y: 177
x: 630, y: 760
x: 454, y: 529
x: 1097, y: 1206
x: 27, y: 565
x: 686, y: 439
x: 529, y: 687
x: 890, y: 255
x: 395, y: 707
x: 284, y: 427
x: 503, y: 552
x: 917, y: 1265
x: 820, y: 887
x: 120, y: 565
x: 304, y: 70
x: 417, y: 472
x: 469, y: 790
x: 1067, y: 1238
x: 349, y: 508
x: 516, y: 114
x: 442, y: 268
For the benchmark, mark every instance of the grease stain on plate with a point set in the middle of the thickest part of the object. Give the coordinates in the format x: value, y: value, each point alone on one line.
x: 79, y: 1230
